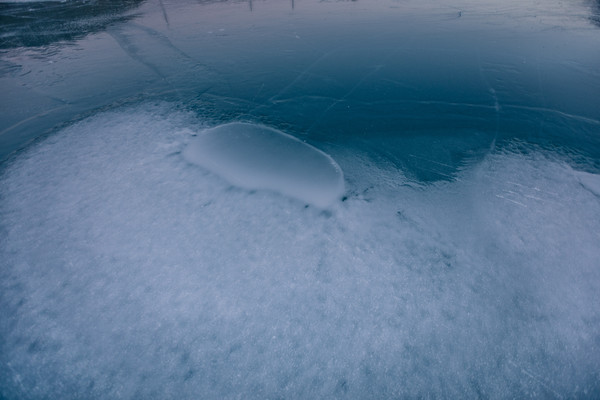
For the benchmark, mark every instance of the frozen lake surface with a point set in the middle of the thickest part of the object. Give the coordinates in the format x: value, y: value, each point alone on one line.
x: 299, y: 199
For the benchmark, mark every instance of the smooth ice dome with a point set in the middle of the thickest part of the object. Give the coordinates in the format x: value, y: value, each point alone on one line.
x: 258, y: 157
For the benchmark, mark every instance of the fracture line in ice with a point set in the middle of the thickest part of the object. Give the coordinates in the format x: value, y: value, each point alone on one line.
x: 554, y: 111
x: 132, y: 52
x: 45, y: 112
x: 497, y: 107
x: 376, y: 68
x: 164, y: 12
x: 165, y: 41
x: 536, y: 378
x: 162, y: 67
x: 274, y: 99
x: 301, y: 75
x: 512, y: 201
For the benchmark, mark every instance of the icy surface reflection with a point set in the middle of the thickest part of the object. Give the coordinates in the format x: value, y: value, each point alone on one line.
x: 449, y: 251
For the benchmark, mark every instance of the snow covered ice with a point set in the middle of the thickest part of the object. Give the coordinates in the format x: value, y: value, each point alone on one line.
x: 299, y: 200
x: 132, y: 273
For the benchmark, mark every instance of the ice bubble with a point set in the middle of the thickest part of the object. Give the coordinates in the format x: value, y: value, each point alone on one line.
x: 257, y: 157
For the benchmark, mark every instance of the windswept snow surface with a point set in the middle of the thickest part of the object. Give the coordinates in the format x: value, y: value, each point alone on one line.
x: 130, y: 273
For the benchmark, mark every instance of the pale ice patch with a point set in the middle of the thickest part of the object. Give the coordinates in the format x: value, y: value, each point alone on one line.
x: 258, y: 157
x: 129, y: 273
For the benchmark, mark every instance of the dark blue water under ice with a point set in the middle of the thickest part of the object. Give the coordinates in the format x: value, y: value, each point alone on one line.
x: 299, y: 199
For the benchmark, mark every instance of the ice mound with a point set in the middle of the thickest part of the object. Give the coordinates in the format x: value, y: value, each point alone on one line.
x: 258, y: 157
